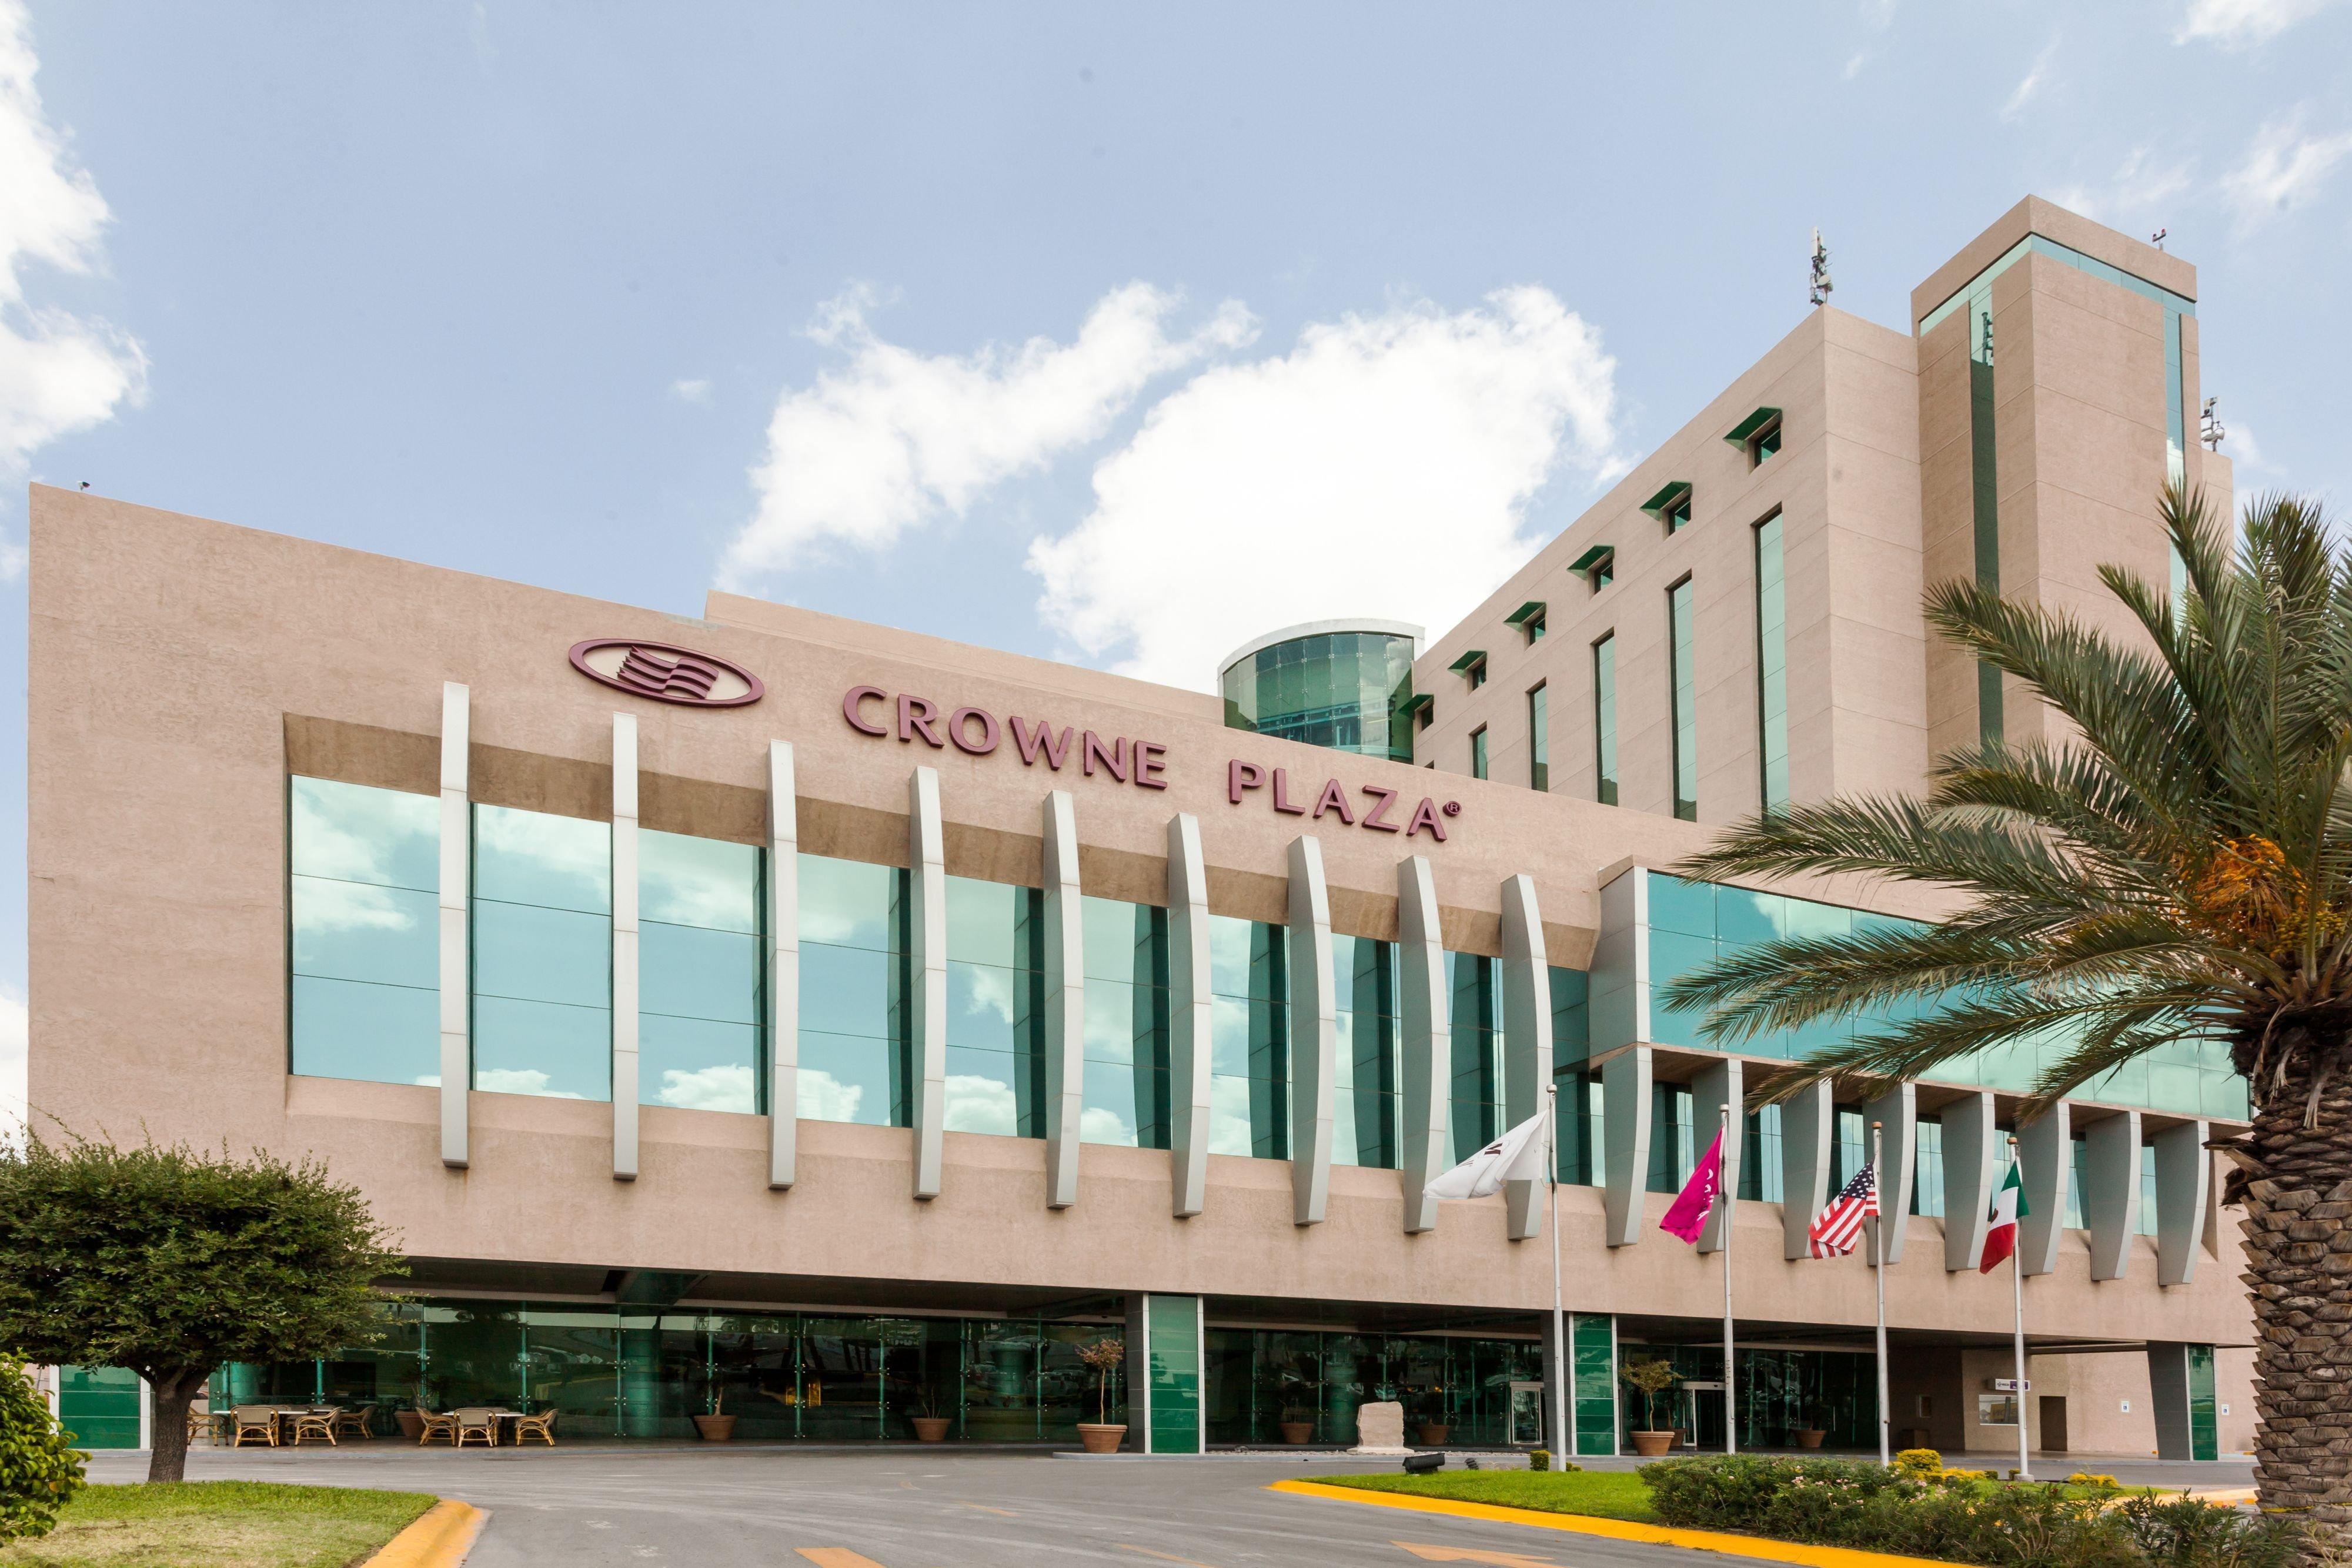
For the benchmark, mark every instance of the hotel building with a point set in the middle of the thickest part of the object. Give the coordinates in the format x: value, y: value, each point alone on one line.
x: 831, y: 1025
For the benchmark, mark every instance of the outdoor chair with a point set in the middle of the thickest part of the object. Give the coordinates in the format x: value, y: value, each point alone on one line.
x: 437, y: 1424
x: 476, y: 1423
x: 541, y: 1425
x: 315, y: 1424
x: 203, y: 1422
x: 258, y: 1422
x: 355, y: 1423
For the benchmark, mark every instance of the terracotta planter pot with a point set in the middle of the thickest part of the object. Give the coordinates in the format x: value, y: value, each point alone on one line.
x: 411, y: 1425
x: 1099, y: 1438
x: 1810, y: 1437
x: 715, y: 1428
x: 1650, y: 1445
x: 931, y: 1428
x: 1297, y: 1431
x: 1433, y: 1433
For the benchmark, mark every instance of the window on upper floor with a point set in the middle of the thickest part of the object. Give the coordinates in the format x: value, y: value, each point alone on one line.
x: 1471, y: 667
x: 1759, y: 436
x: 1597, y: 566
x: 1540, y: 737
x: 1671, y: 506
x: 1478, y: 752
x: 1530, y: 619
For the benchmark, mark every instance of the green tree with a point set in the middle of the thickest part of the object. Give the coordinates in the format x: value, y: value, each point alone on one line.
x: 39, y: 1470
x: 2175, y: 863
x: 172, y: 1263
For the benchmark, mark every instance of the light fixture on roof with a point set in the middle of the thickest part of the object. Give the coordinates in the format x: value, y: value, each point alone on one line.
x: 1819, y: 293
x: 2157, y: 239
x: 2210, y: 430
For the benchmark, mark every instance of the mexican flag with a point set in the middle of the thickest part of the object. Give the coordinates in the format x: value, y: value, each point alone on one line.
x: 2008, y: 1208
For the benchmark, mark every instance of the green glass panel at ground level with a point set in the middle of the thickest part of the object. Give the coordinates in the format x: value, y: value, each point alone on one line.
x: 1592, y: 1357
x: 2204, y: 1427
x: 99, y: 1405
x: 1173, y: 1328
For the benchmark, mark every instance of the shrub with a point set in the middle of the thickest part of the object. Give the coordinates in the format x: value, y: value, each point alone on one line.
x: 2185, y: 1533
x: 40, y: 1471
x: 1920, y: 1463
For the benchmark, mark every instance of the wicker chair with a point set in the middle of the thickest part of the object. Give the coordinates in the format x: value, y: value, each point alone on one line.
x: 316, y: 1423
x: 258, y: 1422
x: 541, y: 1425
x: 201, y: 1422
x: 355, y: 1423
x: 476, y: 1423
x: 437, y: 1424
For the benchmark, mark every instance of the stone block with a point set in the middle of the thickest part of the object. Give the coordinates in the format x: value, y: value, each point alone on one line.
x: 1379, y: 1428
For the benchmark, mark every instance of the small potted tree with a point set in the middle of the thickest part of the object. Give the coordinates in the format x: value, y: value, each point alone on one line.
x: 1102, y: 1435
x: 1432, y: 1428
x: 411, y: 1420
x: 716, y: 1426
x: 1651, y: 1378
x: 1818, y: 1413
x: 930, y: 1421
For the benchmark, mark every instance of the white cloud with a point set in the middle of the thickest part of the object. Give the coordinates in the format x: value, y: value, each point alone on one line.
x: 2036, y: 77
x: 58, y: 372
x: 822, y: 1097
x: 1099, y: 1125
x: 2240, y: 24
x: 2141, y: 182
x: 2240, y: 448
x: 976, y: 1104
x: 2283, y: 168
x: 691, y: 391
x: 1310, y: 485
x: 726, y: 1087
x: 518, y: 1080
x: 893, y: 439
x: 1854, y: 66
x: 15, y: 1036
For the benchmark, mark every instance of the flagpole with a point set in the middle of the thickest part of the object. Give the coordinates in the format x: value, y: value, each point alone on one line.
x: 1564, y: 1443
x: 1726, y: 1213
x: 2017, y: 1298
x: 1876, y: 1186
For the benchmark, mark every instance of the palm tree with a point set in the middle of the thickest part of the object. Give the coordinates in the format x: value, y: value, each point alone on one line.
x: 2175, y: 863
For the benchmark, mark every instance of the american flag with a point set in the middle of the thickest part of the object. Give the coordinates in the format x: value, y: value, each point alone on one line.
x: 1838, y: 1226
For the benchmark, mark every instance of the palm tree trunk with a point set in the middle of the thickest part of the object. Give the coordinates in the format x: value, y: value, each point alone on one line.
x: 2299, y: 1271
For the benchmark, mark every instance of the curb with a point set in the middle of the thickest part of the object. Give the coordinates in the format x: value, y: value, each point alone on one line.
x: 440, y: 1537
x: 1617, y: 1529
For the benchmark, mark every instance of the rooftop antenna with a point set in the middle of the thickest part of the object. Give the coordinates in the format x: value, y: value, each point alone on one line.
x: 2157, y: 239
x: 1819, y: 293
x: 2212, y: 431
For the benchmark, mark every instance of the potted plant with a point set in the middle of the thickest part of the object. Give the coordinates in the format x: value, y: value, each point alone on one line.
x: 1651, y: 1378
x: 1432, y: 1430
x: 930, y: 1425
x: 716, y: 1426
x: 1298, y: 1424
x: 1101, y: 1436
x: 1818, y: 1413
x: 412, y: 1420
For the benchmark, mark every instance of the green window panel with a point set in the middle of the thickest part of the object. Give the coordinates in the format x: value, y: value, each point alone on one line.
x: 1592, y: 1356
x: 1364, y: 1082
x: 2078, y: 1159
x: 1673, y: 1139
x: 1249, y: 1046
x: 1772, y: 665
x: 1259, y: 1378
x: 1605, y: 719
x: 1580, y: 1156
x: 97, y: 1406
x: 1683, y: 696
x: 2144, y: 1222
x: 996, y: 1009
x: 1538, y: 738
x: 1759, y: 1157
x: 542, y: 952
x: 700, y: 999
x: 1477, y: 754
x: 363, y: 933
x: 855, y: 1053
x: 2204, y: 1412
x: 1172, y: 1332
x: 1346, y: 690
x: 1126, y: 1045
x: 1927, y: 1168
x: 1475, y: 1053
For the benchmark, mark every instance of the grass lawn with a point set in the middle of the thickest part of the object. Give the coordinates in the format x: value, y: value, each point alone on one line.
x: 220, y: 1524
x: 1608, y: 1494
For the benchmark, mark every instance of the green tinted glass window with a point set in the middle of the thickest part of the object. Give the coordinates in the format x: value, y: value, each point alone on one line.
x: 1683, y: 694
x: 1605, y: 719
x: 1539, y: 739
x: 1126, y: 1081
x: 699, y: 1002
x: 1772, y: 665
x: 1364, y: 1082
x: 1477, y: 754
x: 854, y: 1049
x: 1475, y: 1053
x: 1249, y: 1045
x: 542, y: 951
x: 996, y: 1009
x: 1345, y: 690
x: 363, y: 913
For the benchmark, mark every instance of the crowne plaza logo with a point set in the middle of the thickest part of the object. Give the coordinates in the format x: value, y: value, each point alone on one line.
x: 666, y: 674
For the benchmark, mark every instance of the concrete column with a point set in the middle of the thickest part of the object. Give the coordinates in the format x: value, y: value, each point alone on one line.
x: 1971, y: 1166
x: 2110, y: 1191
x: 1314, y: 1033
x: 2045, y: 1160
x: 1066, y: 1001
x: 1718, y: 1085
x: 1422, y: 1009
x: 927, y: 964
x: 783, y: 966
x: 456, y: 934
x: 625, y: 947
x: 1190, y: 1012
x: 1527, y: 1038
x: 1807, y: 1122
x: 1898, y: 1112
x: 2184, y: 1170
x: 2167, y: 1388
x: 1619, y: 996
x: 1625, y: 1140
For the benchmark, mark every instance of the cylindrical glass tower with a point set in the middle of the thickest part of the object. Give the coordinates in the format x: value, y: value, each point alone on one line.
x: 1341, y: 684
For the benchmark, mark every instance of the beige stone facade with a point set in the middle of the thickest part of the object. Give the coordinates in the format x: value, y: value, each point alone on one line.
x: 182, y: 670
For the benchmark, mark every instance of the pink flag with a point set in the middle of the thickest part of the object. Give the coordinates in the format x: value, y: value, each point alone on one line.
x: 1689, y: 1214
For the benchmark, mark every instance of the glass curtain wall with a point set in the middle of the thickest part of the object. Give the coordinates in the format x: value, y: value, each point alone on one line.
x: 1605, y: 719
x: 1674, y: 1142
x: 542, y: 951
x: 1780, y: 1393
x: 1364, y: 1086
x: 1539, y: 739
x: 1347, y: 690
x: 1759, y: 1160
x: 363, y: 902
x: 1577, y: 1153
x: 1249, y: 1039
x: 700, y: 996
x: 1475, y: 1044
x: 1683, y: 696
x: 996, y: 1009
x: 1927, y: 1168
x: 1259, y: 1380
x: 1126, y: 1024
x: 1772, y: 665
x: 854, y: 1060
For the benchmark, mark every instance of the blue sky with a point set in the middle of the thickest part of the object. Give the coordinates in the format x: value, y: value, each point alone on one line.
x: 1112, y: 333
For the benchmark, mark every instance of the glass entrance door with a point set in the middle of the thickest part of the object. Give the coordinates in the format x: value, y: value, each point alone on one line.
x: 1527, y: 1413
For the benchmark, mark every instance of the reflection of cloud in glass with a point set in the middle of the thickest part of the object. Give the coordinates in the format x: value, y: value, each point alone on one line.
x: 359, y: 834
x: 977, y: 1104
x: 429, y: 1080
x: 518, y: 1081
x: 992, y: 990
x: 563, y: 849
x: 824, y: 1098
x: 698, y: 882
x: 1229, y: 1116
x: 1097, y: 1126
x: 324, y: 905
x: 726, y: 1087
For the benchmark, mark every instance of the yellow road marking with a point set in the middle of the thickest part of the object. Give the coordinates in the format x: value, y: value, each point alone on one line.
x: 1165, y: 1556
x: 1617, y: 1529
x: 986, y: 1509
x: 837, y: 1557
x: 439, y: 1538
x: 1464, y: 1555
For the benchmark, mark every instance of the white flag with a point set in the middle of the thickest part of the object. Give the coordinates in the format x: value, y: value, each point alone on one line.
x: 1517, y: 1155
